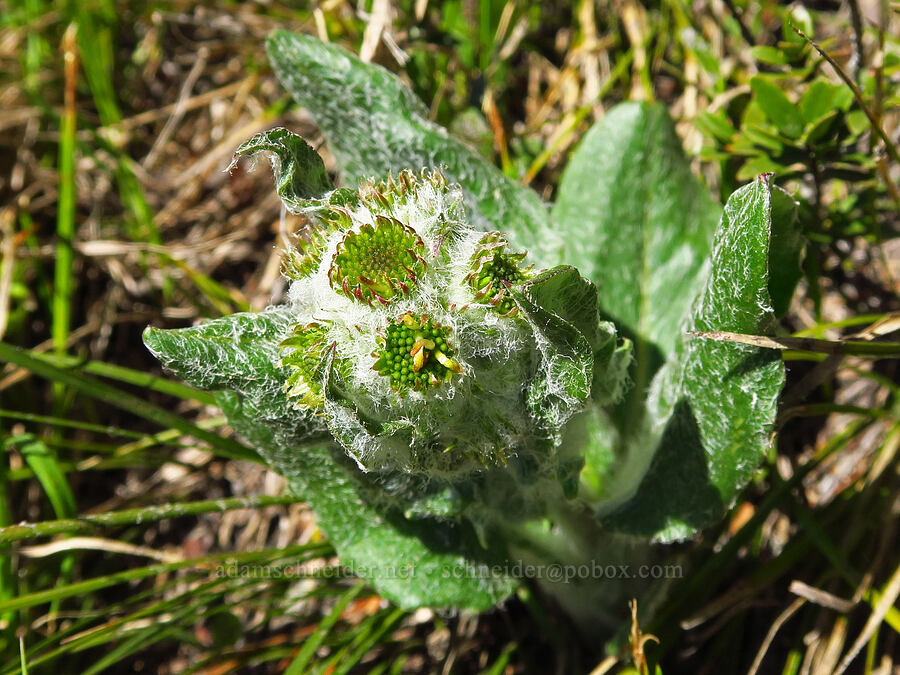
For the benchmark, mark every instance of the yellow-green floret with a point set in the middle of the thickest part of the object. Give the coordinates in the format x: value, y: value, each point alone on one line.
x: 376, y: 263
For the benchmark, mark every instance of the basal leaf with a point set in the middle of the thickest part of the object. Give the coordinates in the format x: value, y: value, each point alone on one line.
x: 712, y: 405
x: 299, y: 171
x: 637, y: 222
x: 239, y: 353
x: 374, y: 124
x: 225, y: 353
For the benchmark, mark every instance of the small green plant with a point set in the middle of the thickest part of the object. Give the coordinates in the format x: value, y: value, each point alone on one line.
x: 463, y: 379
x: 819, y: 140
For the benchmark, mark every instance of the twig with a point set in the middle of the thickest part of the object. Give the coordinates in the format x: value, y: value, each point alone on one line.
x: 822, y: 598
x: 891, y: 591
x: 739, y: 17
x: 638, y: 639
x: 605, y: 666
x: 845, y: 347
x: 856, y: 22
x: 489, y: 107
x: 98, y: 544
x: 773, y: 629
x: 378, y: 21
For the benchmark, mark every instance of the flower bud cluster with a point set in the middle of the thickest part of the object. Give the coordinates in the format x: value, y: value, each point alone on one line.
x: 408, y: 338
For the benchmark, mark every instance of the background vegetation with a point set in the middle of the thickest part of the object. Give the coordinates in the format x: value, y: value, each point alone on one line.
x: 116, y: 120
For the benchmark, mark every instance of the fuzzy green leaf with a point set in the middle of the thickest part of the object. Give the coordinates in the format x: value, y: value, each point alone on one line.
x: 225, y: 353
x: 712, y: 405
x: 564, y: 293
x: 239, y: 353
x: 637, y: 222
x: 300, y: 174
x: 569, y: 354
x: 561, y: 307
x: 375, y: 124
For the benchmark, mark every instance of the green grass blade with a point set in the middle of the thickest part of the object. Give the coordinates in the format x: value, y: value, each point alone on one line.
x: 65, y: 214
x: 127, y: 576
x: 499, y: 666
x: 366, y: 640
x: 42, y: 461
x: 7, y: 580
x: 90, y: 522
x: 80, y: 636
x: 300, y: 664
x: 95, y: 39
x: 71, y: 424
x: 140, y: 640
x: 25, y: 473
x: 48, y: 472
x: 22, y: 664
x: 130, y: 376
x: 116, y: 397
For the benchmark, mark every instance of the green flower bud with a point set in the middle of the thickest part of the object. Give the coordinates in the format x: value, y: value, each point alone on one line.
x: 303, y: 259
x: 493, y: 269
x: 377, y: 262
x: 415, y: 353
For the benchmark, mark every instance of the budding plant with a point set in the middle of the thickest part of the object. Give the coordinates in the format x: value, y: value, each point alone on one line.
x: 463, y: 378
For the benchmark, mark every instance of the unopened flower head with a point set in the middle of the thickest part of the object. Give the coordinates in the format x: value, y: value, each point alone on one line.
x: 416, y: 353
x: 379, y: 261
x: 494, y: 270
